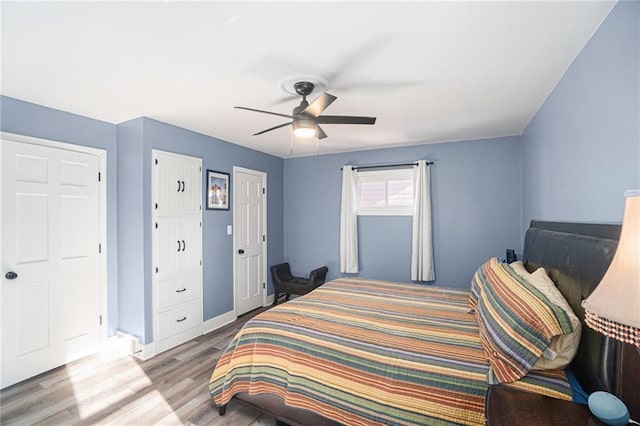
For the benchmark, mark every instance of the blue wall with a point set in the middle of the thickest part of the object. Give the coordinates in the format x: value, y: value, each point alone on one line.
x: 582, y: 149
x: 128, y: 147
x: 24, y: 118
x: 132, y: 301
x: 476, y: 207
x: 140, y: 136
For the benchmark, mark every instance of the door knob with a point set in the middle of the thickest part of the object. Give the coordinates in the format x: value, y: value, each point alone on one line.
x: 11, y: 275
x: 240, y: 251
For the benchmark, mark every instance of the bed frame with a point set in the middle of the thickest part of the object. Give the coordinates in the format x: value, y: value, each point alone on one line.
x: 576, y: 257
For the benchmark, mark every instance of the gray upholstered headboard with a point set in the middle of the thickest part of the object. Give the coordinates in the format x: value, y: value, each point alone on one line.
x: 576, y: 257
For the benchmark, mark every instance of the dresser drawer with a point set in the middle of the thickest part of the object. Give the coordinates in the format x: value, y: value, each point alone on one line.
x: 178, y: 290
x: 179, y: 319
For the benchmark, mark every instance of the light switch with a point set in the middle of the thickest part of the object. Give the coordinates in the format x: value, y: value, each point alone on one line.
x: 229, y: 229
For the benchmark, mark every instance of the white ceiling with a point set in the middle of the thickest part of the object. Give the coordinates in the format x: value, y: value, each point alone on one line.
x: 429, y: 71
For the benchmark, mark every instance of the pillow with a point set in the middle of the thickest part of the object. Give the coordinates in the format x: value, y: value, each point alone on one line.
x: 519, y: 268
x: 474, y: 293
x: 517, y: 321
x: 563, y: 348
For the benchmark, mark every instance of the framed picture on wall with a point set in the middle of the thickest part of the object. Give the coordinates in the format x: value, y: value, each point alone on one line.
x: 217, y: 190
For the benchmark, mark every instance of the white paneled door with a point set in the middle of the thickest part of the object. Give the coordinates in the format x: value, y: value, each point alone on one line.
x: 51, y: 281
x: 249, y: 217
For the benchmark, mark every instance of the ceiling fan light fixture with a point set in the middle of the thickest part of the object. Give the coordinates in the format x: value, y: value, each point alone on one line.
x: 304, y: 128
x: 307, y: 117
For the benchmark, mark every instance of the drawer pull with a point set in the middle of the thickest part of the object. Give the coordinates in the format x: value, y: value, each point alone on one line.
x: 180, y: 291
x: 180, y: 320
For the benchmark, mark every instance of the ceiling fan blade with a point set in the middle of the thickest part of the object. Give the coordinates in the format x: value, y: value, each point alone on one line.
x: 378, y: 86
x: 319, y: 105
x: 264, y: 112
x: 273, y: 128
x: 361, y: 54
x: 284, y: 100
x: 321, y: 133
x: 345, y: 119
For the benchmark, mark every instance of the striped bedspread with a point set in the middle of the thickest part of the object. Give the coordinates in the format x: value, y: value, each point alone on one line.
x: 370, y: 352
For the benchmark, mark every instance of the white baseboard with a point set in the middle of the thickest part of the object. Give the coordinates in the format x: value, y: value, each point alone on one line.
x: 177, y: 339
x: 145, y: 352
x: 124, y: 344
x: 131, y: 345
x: 219, y: 321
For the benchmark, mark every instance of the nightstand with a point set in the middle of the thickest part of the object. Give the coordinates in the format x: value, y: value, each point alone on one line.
x: 509, y: 407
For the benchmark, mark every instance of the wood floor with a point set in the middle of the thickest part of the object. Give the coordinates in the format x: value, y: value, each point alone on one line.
x: 170, y: 388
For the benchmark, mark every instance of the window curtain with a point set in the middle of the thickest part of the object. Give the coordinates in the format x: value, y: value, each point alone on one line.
x: 422, y: 267
x: 348, y: 223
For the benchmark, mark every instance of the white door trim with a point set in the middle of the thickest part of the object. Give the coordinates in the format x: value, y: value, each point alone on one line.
x: 237, y: 169
x: 102, y: 210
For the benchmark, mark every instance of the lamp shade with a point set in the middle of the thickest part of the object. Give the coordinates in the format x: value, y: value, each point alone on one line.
x: 613, y: 308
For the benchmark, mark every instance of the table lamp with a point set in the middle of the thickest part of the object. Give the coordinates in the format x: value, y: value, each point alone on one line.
x: 613, y: 308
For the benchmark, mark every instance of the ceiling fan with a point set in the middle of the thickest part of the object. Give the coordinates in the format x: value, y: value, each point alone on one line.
x: 306, y: 118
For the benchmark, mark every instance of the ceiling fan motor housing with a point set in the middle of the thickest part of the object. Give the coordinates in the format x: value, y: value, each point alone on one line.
x: 298, y: 111
x: 304, y: 124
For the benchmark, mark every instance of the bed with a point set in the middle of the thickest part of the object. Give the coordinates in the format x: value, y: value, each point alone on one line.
x: 358, y: 351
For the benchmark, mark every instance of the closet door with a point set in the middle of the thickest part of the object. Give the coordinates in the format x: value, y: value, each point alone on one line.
x: 179, y: 183
x: 177, y: 249
x: 51, y: 288
x: 179, y: 245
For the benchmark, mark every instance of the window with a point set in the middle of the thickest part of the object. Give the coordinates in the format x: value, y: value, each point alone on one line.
x: 385, y: 192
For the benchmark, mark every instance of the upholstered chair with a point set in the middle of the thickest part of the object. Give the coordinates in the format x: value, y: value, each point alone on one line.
x: 287, y: 284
